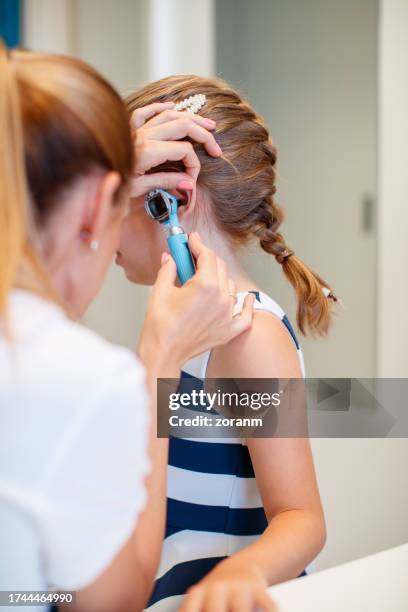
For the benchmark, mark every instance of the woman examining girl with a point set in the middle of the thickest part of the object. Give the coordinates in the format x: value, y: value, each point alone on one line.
x: 241, y: 514
x: 82, y: 499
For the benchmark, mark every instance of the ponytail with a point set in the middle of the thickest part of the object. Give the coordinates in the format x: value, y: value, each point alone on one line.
x: 13, y: 190
x: 314, y: 296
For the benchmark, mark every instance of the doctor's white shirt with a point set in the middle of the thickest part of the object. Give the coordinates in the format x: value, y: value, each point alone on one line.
x: 73, y: 448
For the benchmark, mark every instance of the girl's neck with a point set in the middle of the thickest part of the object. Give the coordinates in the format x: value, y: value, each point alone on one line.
x: 226, y: 252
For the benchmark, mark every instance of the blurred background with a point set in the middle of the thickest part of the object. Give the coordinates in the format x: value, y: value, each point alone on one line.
x: 331, y: 79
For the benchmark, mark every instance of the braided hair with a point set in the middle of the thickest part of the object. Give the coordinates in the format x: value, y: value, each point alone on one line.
x: 242, y: 184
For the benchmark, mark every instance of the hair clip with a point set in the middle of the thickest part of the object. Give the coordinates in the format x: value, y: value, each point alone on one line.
x: 192, y: 104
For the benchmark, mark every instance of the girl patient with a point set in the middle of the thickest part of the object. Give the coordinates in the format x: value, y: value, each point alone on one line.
x: 241, y: 514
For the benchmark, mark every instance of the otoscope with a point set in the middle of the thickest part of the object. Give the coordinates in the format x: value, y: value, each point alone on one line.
x: 162, y: 207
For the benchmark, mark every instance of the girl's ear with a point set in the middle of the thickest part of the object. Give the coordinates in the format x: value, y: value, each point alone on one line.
x: 187, y: 202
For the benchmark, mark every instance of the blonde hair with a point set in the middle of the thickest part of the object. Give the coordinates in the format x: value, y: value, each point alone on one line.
x: 241, y: 184
x: 58, y: 119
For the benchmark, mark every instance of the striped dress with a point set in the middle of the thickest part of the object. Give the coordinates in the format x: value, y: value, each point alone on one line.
x: 214, y: 507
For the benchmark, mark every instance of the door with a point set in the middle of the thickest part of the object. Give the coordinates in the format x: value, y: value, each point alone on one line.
x: 310, y: 68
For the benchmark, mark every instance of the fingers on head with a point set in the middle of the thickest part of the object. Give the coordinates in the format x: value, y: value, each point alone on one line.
x: 141, y: 115
x: 166, y: 180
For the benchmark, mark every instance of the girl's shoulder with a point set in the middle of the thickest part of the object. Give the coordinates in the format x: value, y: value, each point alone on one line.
x: 270, y: 349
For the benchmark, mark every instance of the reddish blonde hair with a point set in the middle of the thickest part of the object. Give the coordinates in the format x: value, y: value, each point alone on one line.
x: 58, y: 119
x: 241, y: 184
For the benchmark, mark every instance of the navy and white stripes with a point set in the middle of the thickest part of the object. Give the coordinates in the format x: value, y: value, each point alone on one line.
x: 214, y: 507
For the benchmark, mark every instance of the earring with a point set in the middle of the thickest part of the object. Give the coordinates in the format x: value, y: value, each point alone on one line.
x: 94, y: 245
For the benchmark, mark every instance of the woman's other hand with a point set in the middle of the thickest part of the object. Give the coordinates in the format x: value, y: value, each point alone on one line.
x: 182, y: 322
x: 158, y: 132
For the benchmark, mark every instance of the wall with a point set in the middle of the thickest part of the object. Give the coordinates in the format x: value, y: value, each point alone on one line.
x: 363, y: 488
x: 393, y: 210
x: 181, y: 37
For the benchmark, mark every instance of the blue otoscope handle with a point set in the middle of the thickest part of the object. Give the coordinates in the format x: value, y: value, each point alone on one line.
x: 178, y: 245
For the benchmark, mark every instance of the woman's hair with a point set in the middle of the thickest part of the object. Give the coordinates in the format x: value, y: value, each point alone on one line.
x: 59, y: 119
x: 241, y: 184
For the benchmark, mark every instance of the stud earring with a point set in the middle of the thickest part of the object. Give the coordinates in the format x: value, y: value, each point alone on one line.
x: 94, y: 245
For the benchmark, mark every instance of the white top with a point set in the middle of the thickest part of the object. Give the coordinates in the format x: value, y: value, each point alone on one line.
x: 73, y: 451
x: 372, y: 584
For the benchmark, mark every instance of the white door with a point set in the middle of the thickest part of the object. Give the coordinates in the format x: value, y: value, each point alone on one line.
x: 310, y: 68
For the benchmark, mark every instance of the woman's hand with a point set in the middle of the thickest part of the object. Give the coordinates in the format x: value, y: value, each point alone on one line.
x: 230, y: 587
x: 182, y: 322
x: 158, y: 130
